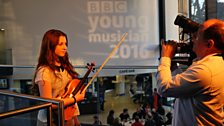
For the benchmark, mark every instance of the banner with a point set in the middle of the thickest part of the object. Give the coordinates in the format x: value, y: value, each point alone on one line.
x: 94, y: 27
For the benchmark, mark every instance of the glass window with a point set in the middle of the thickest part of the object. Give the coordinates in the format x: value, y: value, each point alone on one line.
x: 197, y: 10
x: 220, y: 7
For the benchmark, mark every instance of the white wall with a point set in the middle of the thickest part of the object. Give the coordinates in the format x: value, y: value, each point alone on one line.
x: 171, y: 12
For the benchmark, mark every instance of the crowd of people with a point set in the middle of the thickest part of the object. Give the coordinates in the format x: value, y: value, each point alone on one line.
x: 141, y: 117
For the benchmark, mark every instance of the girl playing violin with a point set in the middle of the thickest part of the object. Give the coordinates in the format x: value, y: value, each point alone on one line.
x: 53, y: 72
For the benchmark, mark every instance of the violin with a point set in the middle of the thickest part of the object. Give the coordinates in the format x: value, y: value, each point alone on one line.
x: 72, y: 88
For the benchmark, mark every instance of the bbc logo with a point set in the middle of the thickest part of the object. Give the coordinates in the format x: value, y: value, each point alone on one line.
x: 107, y: 7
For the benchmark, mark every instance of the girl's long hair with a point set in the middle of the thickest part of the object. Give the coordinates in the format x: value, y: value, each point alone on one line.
x: 48, y: 57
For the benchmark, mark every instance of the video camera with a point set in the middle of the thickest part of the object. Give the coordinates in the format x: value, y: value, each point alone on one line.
x: 185, y: 48
x: 187, y: 24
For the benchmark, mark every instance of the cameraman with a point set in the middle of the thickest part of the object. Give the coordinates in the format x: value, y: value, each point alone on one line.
x: 199, y: 90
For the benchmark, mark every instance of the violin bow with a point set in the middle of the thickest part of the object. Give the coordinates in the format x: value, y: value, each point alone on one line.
x: 107, y: 59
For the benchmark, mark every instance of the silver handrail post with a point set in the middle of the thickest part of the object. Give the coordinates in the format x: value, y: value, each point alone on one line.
x: 49, y: 116
x: 61, y: 113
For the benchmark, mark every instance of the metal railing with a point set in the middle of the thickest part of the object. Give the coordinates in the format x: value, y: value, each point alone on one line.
x: 47, y: 105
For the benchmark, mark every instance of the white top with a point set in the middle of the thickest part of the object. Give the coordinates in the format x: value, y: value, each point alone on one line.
x: 58, y: 81
x: 199, y: 91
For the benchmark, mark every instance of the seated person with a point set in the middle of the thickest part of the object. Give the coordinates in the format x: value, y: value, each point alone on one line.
x: 116, y: 122
x: 139, y: 112
x: 96, y: 122
x: 169, y: 118
x: 149, y: 121
x: 110, y: 117
x: 137, y: 122
x: 124, y: 116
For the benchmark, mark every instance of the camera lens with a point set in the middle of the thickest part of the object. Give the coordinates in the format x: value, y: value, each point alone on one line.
x: 187, y: 24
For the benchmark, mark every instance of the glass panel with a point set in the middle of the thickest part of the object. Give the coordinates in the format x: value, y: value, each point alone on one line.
x: 24, y: 108
x: 27, y: 119
x: 197, y: 10
x: 8, y: 103
x: 220, y: 8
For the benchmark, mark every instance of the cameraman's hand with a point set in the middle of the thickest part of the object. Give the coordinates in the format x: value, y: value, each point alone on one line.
x: 168, y: 48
